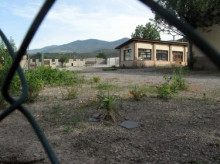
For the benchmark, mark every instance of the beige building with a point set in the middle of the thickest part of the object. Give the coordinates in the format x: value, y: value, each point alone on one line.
x: 147, y: 53
x: 212, y: 36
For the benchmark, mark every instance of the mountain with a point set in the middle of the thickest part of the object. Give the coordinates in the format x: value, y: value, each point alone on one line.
x: 81, y: 46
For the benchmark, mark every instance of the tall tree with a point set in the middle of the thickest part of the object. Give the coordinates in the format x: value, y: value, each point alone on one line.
x: 149, y: 31
x: 102, y: 55
x: 198, y: 13
x: 64, y: 59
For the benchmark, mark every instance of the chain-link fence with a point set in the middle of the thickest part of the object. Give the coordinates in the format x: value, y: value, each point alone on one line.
x: 17, y: 103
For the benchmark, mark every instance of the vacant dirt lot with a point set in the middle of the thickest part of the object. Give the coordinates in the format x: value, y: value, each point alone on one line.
x: 183, y: 129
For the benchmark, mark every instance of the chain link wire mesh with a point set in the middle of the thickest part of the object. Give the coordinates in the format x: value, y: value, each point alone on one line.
x: 17, y: 103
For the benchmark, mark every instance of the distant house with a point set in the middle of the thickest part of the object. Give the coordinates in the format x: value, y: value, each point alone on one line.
x: 212, y: 36
x: 147, y: 53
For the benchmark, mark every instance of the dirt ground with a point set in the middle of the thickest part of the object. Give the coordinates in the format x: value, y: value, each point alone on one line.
x: 184, y: 129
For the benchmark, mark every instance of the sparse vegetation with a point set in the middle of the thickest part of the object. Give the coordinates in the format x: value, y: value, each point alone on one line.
x: 165, y: 91
x: 172, y: 85
x: 105, y: 86
x: 113, y: 68
x: 96, y: 79
x: 63, y: 120
x: 72, y: 92
x: 137, y: 93
x: 107, y: 103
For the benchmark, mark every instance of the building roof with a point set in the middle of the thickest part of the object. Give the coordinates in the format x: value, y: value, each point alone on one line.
x: 151, y: 41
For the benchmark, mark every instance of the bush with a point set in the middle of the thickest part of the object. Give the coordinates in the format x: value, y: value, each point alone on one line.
x: 137, y: 93
x: 165, y: 91
x: 168, y: 89
x: 181, y: 81
x: 107, y: 102
x: 96, y: 79
x: 34, y: 86
x: 105, y: 86
x: 72, y: 92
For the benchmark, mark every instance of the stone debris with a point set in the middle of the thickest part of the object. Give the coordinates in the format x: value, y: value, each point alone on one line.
x: 130, y: 124
x: 96, y: 118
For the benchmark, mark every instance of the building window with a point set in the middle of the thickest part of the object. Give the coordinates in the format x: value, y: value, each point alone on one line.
x: 128, y: 55
x: 144, y: 54
x: 162, y: 55
x: 53, y: 60
x: 33, y: 60
x: 177, y: 56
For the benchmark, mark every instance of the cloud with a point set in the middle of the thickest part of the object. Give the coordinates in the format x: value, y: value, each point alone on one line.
x: 70, y: 20
x: 109, y: 20
x: 26, y: 10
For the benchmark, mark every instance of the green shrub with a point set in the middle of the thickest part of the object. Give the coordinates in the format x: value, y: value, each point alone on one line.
x: 107, y: 102
x: 137, y: 93
x: 34, y: 86
x: 172, y: 85
x: 165, y: 91
x: 105, y: 86
x: 179, y: 82
x: 72, y: 92
x: 96, y: 79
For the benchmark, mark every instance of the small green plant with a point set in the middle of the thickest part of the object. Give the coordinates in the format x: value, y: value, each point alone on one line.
x: 179, y: 82
x: 105, y: 86
x: 165, y: 91
x: 72, y: 92
x: 57, y: 109
x: 137, y: 93
x: 107, y: 102
x: 96, y: 79
x: 67, y: 129
x: 76, y: 119
x: 172, y: 85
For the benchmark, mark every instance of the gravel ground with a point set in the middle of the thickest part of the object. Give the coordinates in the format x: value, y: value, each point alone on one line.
x: 184, y: 129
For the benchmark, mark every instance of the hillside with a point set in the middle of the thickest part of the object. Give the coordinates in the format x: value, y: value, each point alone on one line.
x: 81, y: 47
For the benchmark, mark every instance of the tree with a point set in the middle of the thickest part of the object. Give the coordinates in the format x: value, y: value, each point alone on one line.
x: 198, y: 13
x: 5, y: 57
x: 64, y: 59
x: 102, y: 55
x: 149, y: 31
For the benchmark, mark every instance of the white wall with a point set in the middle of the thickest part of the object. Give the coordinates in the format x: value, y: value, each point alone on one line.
x: 114, y: 61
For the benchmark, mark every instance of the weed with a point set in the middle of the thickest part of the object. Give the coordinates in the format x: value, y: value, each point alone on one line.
x: 137, y: 93
x: 179, y: 82
x: 105, y: 86
x: 56, y: 110
x: 72, y: 92
x: 67, y: 129
x: 165, y: 91
x: 96, y: 79
x: 108, y: 123
x: 75, y: 120
x: 172, y: 85
x: 107, y: 102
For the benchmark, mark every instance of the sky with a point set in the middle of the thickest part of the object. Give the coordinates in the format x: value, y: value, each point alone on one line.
x: 71, y: 20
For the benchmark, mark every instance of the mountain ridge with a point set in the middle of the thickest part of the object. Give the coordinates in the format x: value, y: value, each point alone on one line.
x: 80, y: 46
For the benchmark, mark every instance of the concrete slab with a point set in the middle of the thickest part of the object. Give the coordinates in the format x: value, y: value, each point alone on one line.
x: 130, y: 124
